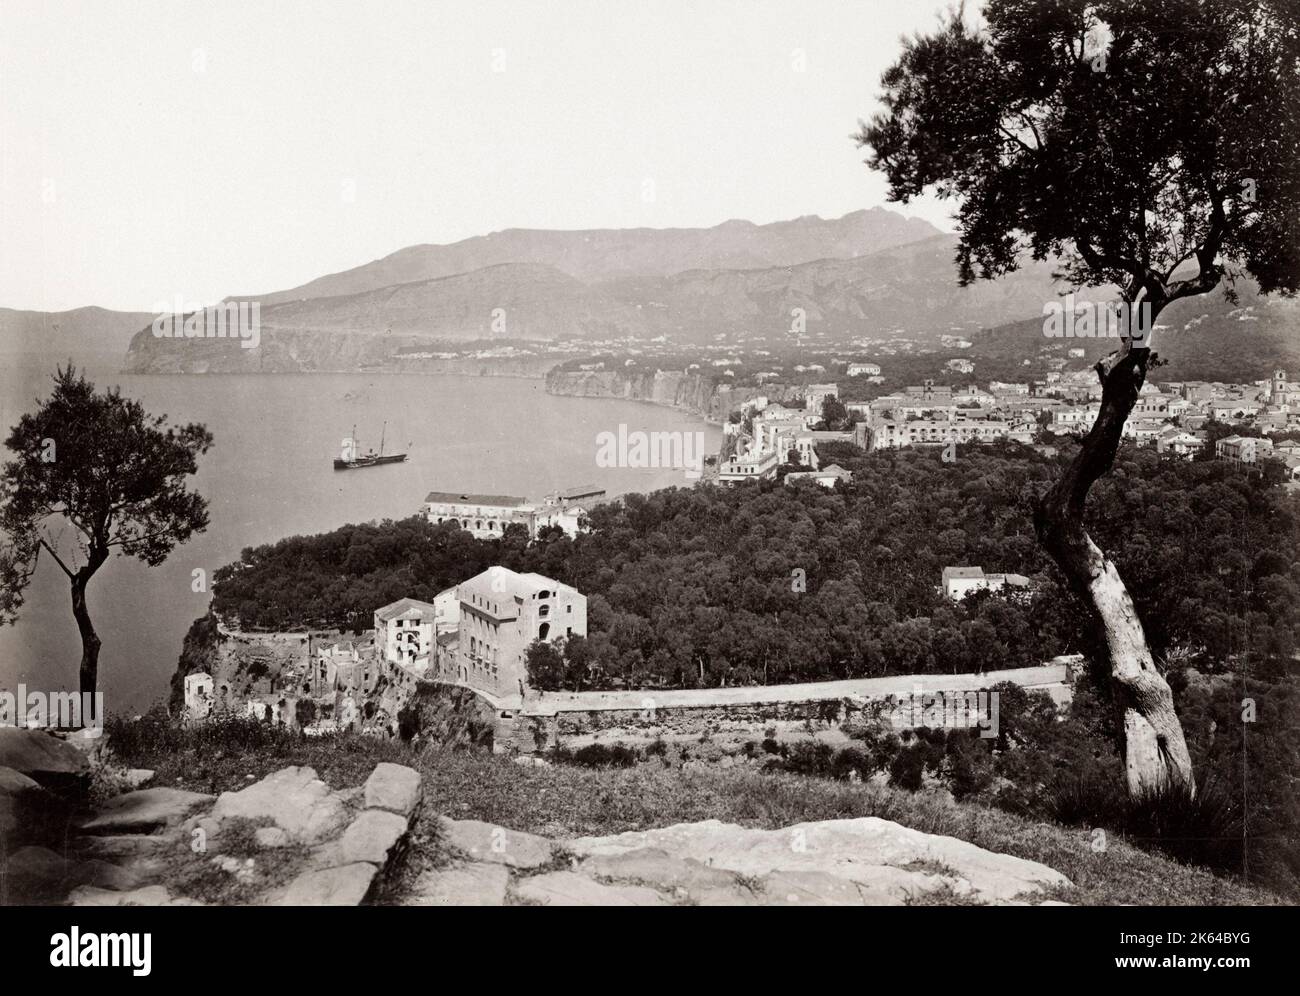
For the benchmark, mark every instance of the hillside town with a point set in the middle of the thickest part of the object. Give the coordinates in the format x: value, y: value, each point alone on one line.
x: 1172, y: 416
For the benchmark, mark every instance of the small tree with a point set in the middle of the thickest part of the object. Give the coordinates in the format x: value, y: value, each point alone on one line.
x: 1149, y: 145
x: 545, y: 664
x: 112, y: 472
x: 834, y: 414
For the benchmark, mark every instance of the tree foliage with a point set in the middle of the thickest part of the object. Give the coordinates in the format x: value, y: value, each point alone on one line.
x: 770, y: 583
x: 100, y: 464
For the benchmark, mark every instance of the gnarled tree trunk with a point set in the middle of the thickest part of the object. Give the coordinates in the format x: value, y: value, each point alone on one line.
x: 1155, y: 751
x: 89, y: 671
x: 90, y: 643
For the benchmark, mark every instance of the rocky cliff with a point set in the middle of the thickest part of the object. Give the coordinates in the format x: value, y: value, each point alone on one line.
x: 690, y: 392
x: 284, y: 350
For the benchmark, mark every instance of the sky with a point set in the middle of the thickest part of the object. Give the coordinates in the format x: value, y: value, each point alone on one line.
x: 150, y: 151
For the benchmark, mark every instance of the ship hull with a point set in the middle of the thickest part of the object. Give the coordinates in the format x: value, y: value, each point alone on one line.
x: 362, y: 462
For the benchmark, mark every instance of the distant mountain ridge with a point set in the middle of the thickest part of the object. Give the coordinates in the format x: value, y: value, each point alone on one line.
x: 912, y: 286
x: 595, y: 255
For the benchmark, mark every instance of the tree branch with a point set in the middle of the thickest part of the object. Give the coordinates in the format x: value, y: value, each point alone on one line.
x: 57, y: 559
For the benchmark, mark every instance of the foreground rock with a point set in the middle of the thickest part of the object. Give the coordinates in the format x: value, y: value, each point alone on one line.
x: 43, y: 757
x: 480, y: 841
x: 293, y: 798
x: 867, y: 860
x: 465, y: 885
x: 859, y: 862
x: 287, y: 840
x: 145, y: 810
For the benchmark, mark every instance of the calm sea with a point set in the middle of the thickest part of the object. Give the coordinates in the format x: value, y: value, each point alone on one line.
x: 270, y: 475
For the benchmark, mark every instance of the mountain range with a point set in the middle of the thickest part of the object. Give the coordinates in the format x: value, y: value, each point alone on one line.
x: 597, y: 255
x: 868, y: 273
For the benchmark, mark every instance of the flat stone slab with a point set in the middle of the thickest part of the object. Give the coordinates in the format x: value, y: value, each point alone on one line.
x: 145, y: 810
x: 35, y: 752
x: 566, y: 888
x: 373, y: 836
x: 488, y: 842
x: 293, y: 798
x: 871, y: 852
x: 16, y: 783
x: 35, y: 871
x: 815, y: 888
x: 107, y: 875
x: 394, y: 787
x: 346, y: 885
x: 466, y: 885
x: 682, y: 878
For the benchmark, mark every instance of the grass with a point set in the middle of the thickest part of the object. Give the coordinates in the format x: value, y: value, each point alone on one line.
x: 563, y: 801
x: 199, y: 876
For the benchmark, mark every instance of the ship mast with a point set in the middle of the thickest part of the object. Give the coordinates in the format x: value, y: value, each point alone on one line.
x: 382, y: 433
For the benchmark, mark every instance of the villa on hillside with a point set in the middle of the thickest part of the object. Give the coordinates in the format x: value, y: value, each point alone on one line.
x: 826, y: 477
x: 483, y: 516
x: 501, y: 613
x: 958, y: 582
x: 1243, y: 449
x: 487, y: 516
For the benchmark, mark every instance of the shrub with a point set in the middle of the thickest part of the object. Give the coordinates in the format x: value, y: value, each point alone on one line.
x: 852, y: 759
x: 597, y: 756
x: 907, y: 767
x: 809, y: 757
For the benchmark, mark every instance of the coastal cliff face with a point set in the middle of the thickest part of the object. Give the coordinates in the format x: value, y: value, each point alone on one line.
x: 690, y: 392
x: 306, y: 351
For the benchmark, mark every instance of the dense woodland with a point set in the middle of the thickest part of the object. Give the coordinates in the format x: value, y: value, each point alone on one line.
x: 771, y: 583
x: 700, y: 585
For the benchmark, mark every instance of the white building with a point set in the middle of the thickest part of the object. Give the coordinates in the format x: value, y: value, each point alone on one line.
x: 958, y: 582
x: 757, y: 464
x: 1243, y: 449
x: 827, y: 477
x: 405, y: 631
x: 501, y: 614
x: 890, y: 434
x: 198, y: 695
x: 484, y: 516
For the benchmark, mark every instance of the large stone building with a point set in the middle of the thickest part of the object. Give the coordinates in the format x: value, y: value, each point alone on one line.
x: 487, y: 516
x: 501, y: 614
x: 889, y: 434
x: 484, y: 516
x: 1243, y: 449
